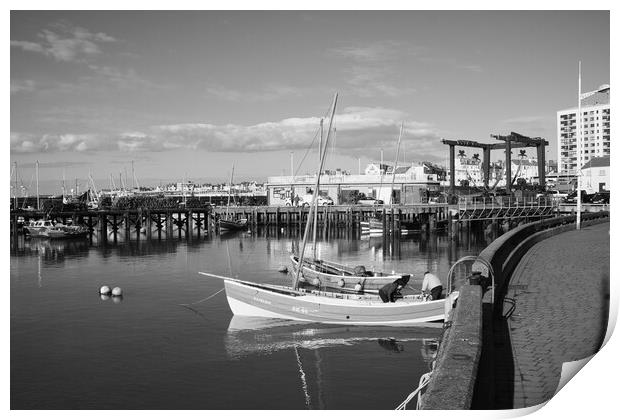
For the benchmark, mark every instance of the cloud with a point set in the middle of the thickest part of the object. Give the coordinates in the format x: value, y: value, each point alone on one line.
x: 375, y: 52
x: 369, y: 81
x: 269, y: 93
x: 65, y: 42
x: 371, y: 69
x: 22, y: 86
x: 359, y: 131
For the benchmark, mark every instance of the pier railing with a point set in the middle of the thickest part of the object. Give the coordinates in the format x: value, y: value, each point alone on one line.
x: 506, y: 207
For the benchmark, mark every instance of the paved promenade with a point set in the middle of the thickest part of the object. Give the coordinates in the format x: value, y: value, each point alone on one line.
x: 561, y: 289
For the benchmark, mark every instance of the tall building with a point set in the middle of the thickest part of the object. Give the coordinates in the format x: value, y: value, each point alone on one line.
x: 595, y: 133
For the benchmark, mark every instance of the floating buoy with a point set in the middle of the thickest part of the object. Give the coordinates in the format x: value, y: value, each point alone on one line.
x: 105, y: 290
x: 283, y: 269
x: 315, y: 281
x: 358, y: 287
x: 341, y: 282
x: 117, y: 291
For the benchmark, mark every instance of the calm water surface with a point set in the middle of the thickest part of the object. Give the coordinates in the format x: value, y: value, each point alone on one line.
x: 160, y: 347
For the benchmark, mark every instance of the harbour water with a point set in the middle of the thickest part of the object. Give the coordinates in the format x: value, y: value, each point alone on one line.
x: 171, y: 342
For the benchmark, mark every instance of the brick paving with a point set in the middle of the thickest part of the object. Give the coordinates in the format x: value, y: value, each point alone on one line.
x: 561, y: 289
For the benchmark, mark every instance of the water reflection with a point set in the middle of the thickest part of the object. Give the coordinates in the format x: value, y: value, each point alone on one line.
x: 249, y: 335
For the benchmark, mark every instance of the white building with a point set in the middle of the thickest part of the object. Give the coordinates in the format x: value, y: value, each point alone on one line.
x: 595, y: 134
x: 411, y: 185
x: 595, y: 175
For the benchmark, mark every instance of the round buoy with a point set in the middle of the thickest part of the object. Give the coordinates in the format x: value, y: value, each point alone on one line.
x: 341, y: 282
x: 117, y: 291
x: 283, y: 269
x: 358, y: 287
x: 315, y: 281
x: 105, y: 290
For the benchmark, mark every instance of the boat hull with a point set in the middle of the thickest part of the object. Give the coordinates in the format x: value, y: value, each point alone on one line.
x: 251, y: 299
x: 317, y: 278
x: 233, y: 224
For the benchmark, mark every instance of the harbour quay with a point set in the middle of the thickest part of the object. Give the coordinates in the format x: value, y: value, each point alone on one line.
x: 515, y: 323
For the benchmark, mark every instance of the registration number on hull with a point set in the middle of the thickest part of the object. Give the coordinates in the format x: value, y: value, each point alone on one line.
x: 261, y: 300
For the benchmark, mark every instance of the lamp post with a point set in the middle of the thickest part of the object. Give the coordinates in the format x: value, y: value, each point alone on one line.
x: 580, y: 97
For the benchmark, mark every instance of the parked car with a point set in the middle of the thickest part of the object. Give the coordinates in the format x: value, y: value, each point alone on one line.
x: 552, y: 193
x: 600, y: 198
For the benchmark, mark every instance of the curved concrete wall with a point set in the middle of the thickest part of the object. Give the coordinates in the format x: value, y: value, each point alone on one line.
x: 454, y: 377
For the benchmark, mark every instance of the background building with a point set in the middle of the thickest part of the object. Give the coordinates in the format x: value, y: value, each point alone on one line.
x: 412, y: 184
x: 596, y: 175
x: 595, y: 134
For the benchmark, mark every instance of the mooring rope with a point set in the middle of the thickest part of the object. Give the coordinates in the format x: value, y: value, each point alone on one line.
x: 424, y: 380
x: 202, y: 300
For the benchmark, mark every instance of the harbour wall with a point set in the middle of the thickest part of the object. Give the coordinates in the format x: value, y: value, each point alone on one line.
x: 464, y: 376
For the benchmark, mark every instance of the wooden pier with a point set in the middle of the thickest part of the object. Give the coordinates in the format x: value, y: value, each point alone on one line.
x: 196, y: 222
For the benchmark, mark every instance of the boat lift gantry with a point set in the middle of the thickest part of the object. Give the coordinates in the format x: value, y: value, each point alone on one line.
x: 508, y: 142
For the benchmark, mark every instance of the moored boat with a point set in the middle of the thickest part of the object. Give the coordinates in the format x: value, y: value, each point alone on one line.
x: 321, y: 273
x: 233, y: 224
x: 49, y: 229
x: 247, y: 298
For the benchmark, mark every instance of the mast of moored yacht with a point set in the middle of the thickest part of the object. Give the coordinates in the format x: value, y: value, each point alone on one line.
x: 230, y: 189
x: 15, y: 185
x: 315, y: 195
x: 37, y: 173
x: 395, y: 163
x: 316, y: 204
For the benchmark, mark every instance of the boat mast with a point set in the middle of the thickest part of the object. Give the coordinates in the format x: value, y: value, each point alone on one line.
x: 64, y: 186
x: 395, y: 163
x: 230, y: 189
x: 316, y: 191
x: 37, y: 172
x: 15, y: 185
x: 316, y: 204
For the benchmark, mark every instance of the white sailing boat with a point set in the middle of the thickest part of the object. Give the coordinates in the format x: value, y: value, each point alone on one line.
x: 247, y: 298
x: 374, y: 226
x: 228, y: 223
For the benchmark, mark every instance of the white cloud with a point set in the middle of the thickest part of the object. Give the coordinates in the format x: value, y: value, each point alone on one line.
x: 22, y: 86
x: 359, y: 131
x: 268, y: 93
x: 372, y: 67
x: 66, y: 43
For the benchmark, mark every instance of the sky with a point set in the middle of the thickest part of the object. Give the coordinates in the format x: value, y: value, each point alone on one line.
x: 188, y: 94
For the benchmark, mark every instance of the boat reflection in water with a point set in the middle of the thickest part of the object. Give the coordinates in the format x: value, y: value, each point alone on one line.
x: 250, y: 335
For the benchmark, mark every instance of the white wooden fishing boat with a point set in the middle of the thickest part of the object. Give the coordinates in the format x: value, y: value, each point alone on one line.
x: 247, y: 298
x: 321, y: 273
